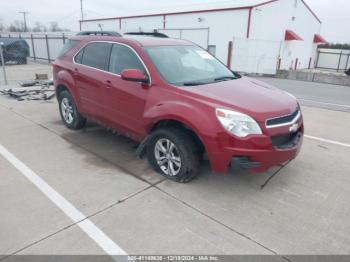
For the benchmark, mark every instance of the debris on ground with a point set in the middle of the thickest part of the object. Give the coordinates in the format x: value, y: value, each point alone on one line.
x: 40, y: 79
x: 25, y: 83
x: 41, y: 88
x: 29, y: 94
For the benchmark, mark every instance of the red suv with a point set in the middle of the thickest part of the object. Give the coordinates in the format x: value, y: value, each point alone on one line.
x: 179, y: 102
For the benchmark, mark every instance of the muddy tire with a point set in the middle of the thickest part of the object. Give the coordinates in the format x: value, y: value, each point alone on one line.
x: 173, y: 153
x: 69, y: 112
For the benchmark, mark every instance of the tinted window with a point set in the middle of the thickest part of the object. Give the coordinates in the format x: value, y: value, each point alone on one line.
x: 96, y: 55
x: 79, y: 57
x: 68, y: 46
x: 122, y: 57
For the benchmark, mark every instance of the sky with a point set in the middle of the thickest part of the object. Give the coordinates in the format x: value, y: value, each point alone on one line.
x: 333, y: 13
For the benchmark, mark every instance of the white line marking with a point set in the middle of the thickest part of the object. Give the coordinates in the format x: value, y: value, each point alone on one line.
x: 327, y: 141
x: 86, y: 225
x: 324, y: 103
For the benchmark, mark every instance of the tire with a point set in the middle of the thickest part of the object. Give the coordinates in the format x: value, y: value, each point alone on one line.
x: 68, y: 111
x: 181, y: 152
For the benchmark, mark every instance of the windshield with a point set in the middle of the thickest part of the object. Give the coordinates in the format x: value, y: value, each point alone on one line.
x: 188, y: 65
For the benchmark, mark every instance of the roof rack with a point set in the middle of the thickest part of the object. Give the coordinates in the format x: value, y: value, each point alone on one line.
x: 103, y: 33
x: 154, y: 34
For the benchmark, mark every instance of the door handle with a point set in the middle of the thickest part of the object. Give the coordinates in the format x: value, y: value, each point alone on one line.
x: 76, y: 71
x: 108, y: 83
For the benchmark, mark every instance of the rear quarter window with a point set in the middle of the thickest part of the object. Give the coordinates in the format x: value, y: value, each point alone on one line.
x: 67, y: 46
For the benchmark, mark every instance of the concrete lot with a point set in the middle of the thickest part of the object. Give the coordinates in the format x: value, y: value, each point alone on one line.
x: 304, y: 209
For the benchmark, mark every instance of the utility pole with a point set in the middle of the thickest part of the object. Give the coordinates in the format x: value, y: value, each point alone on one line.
x: 24, y: 19
x: 81, y: 13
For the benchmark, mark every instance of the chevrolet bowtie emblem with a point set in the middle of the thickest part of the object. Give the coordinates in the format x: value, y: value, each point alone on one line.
x: 294, y: 127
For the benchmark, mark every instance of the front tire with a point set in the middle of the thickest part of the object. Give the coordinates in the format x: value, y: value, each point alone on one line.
x: 173, y: 154
x: 69, y: 112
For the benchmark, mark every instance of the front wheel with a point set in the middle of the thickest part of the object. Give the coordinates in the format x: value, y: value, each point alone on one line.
x: 69, y: 112
x: 173, y: 153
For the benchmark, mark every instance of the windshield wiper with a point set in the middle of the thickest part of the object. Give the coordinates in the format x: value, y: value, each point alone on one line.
x: 194, y: 83
x: 223, y: 78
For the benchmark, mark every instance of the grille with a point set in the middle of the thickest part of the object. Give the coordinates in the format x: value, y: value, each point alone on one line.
x: 287, y: 140
x: 283, y: 120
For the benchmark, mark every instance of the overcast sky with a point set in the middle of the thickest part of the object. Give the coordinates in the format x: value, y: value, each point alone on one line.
x: 335, y: 14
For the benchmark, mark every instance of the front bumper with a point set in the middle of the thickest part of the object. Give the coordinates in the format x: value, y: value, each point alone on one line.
x: 256, y: 154
x: 260, y: 161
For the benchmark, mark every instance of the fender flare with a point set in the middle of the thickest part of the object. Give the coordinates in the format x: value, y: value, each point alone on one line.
x: 65, y: 79
x: 196, y: 118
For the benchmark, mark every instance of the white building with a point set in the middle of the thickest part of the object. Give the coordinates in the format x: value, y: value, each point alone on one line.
x: 265, y: 35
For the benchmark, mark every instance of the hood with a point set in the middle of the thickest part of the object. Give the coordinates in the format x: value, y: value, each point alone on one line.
x: 246, y: 95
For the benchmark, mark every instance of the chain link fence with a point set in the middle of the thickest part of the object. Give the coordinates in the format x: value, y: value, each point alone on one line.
x: 19, y: 48
x: 40, y: 46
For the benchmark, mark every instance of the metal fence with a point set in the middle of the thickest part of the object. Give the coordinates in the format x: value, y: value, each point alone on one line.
x: 333, y: 59
x: 42, y: 46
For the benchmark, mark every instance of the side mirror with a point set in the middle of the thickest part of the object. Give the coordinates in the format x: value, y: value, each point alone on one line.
x: 134, y: 75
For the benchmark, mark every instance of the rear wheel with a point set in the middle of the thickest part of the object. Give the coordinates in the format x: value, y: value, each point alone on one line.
x: 69, y: 112
x: 173, y: 154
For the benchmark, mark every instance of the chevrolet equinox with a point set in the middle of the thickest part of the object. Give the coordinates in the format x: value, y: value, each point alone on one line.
x: 179, y: 102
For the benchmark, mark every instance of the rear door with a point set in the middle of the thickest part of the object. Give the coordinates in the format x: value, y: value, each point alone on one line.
x: 125, y: 99
x: 90, y: 75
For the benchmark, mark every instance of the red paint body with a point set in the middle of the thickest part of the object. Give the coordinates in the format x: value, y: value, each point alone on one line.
x: 133, y: 108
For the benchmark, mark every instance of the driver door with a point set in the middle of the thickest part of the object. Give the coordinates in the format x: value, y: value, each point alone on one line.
x: 125, y: 100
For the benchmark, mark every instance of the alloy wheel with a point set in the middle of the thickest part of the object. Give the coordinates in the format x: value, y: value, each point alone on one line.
x: 167, y: 157
x: 67, y: 110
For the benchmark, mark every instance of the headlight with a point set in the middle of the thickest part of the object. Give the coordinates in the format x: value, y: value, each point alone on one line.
x: 237, y: 123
